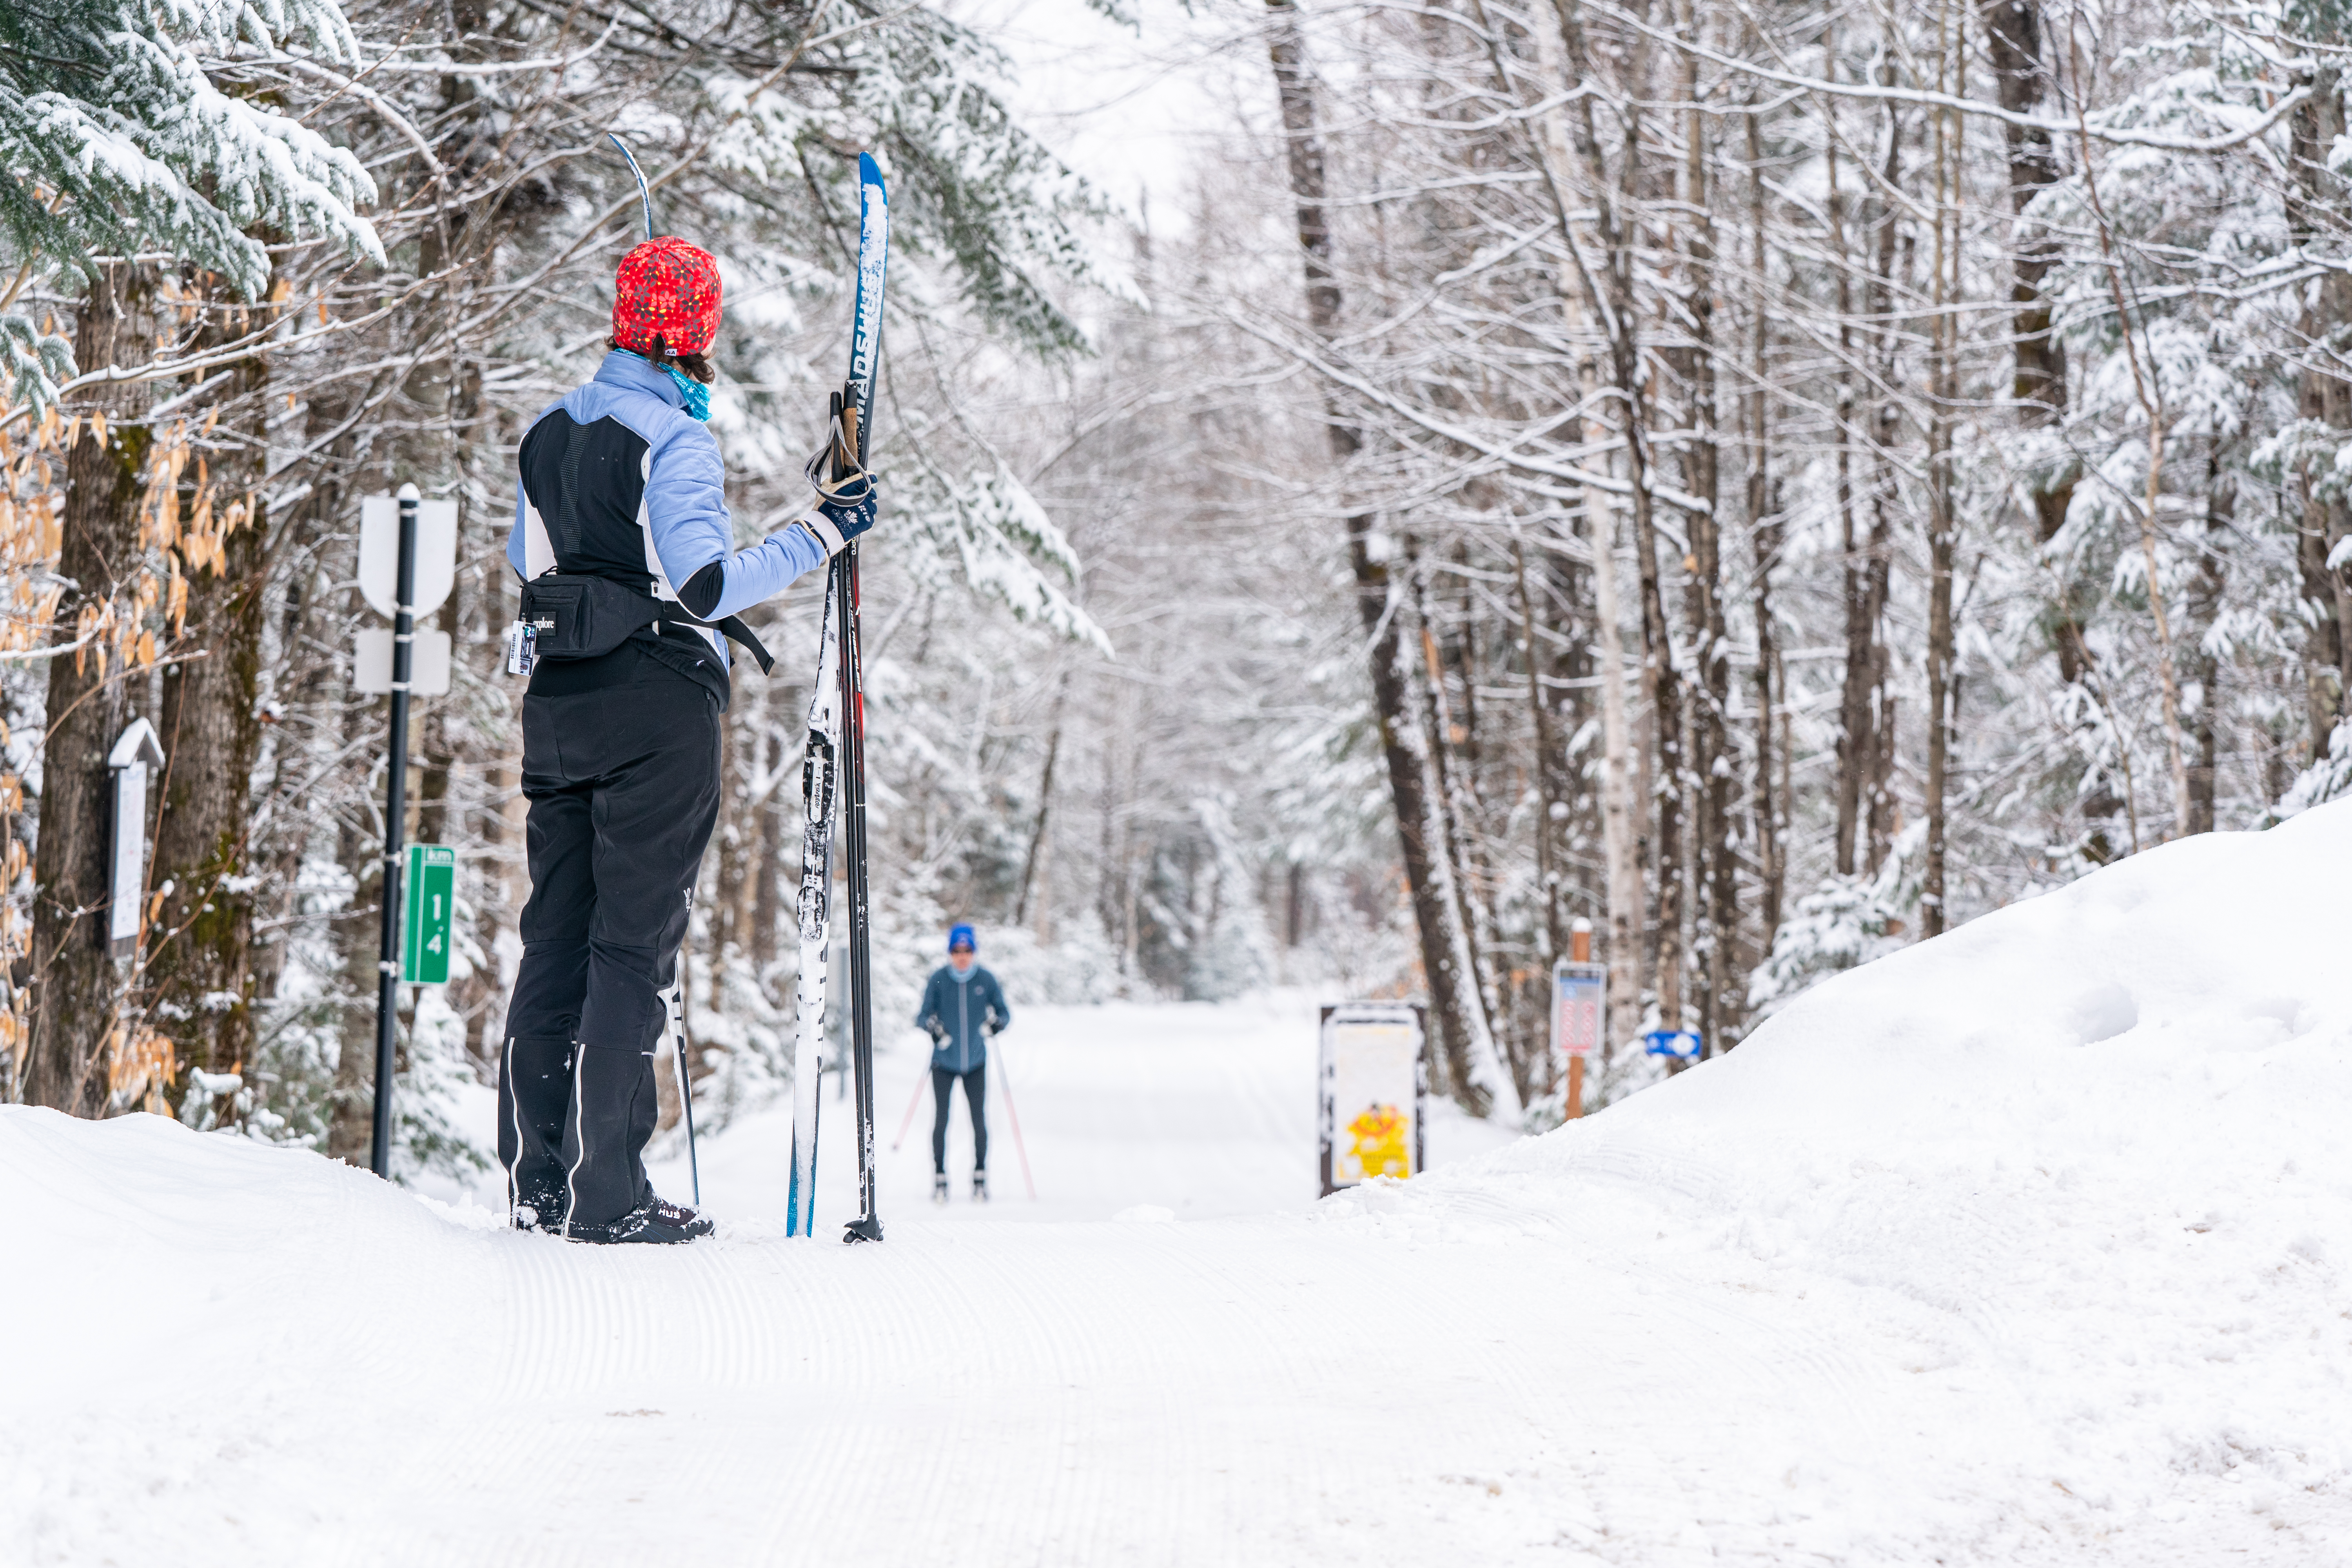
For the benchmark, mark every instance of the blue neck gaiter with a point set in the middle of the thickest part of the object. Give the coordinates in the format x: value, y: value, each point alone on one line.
x: 697, y: 395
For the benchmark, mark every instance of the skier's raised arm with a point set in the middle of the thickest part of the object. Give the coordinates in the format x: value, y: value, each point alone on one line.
x: 684, y: 496
x: 713, y: 584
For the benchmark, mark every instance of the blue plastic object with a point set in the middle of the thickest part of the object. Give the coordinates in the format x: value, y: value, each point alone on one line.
x: 1683, y: 1043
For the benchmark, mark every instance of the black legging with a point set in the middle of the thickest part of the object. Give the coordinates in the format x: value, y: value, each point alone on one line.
x: 975, y: 1094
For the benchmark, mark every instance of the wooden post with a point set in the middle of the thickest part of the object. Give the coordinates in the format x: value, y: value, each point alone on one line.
x: 1579, y: 951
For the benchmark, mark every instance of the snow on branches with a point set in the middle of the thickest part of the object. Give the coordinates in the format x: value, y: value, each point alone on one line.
x: 126, y: 128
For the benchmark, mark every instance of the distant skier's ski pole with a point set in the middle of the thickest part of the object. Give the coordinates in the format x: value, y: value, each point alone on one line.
x: 914, y: 1100
x: 1004, y: 1076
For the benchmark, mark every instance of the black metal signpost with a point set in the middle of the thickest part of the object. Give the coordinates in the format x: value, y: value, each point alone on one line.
x: 396, y: 812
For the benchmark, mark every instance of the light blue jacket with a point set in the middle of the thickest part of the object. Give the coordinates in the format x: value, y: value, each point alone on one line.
x: 686, y: 494
x: 959, y: 1014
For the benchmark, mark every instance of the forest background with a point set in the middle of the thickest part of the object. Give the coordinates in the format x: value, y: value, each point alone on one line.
x: 1773, y: 480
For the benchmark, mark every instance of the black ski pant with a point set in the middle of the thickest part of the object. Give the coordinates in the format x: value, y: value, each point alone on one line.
x: 975, y: 1095
x: 623, y: 783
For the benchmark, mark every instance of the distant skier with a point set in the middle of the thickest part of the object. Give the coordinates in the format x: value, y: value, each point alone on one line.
x: 623, y: 540
x: 961, y: 1006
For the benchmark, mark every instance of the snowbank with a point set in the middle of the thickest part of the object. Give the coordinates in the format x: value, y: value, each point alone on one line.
x: 2081, y: 1168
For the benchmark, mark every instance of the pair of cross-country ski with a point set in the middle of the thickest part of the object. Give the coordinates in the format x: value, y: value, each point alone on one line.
x: 834, y: 772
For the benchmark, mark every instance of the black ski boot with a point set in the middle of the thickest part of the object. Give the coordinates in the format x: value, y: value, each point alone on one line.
x: 939, y: 1188
x: 980, y: 1187
x: 659, y: 1223
x: 666, y: 1221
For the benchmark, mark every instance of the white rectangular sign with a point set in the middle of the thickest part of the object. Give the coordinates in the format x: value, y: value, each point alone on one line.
x: 1372, y: 1092
x: 428, y: 662
x: 129, y: 880
x: 136, y: 751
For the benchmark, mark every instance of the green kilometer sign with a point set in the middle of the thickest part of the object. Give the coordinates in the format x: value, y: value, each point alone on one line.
x: 428, y: 899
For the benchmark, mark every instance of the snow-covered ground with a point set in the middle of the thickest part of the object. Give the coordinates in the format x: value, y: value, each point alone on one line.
x: 1205, y: 1111
x: 2024, y: 1246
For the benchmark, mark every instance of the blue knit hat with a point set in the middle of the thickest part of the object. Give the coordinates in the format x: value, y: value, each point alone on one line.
x: 961, y: 936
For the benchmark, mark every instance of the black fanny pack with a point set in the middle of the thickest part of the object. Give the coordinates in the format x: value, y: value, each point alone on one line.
x: 576, y: 617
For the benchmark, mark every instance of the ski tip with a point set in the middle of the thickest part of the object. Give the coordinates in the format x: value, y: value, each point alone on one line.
x: 869, y: 172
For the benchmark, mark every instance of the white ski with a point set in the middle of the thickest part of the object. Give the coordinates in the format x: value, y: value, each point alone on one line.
x: 819, y: 771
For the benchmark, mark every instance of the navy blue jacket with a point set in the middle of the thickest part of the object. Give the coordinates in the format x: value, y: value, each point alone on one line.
x: 955, y: 1013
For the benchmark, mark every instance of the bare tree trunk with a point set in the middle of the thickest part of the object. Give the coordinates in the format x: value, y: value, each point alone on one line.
x: 1765, y: 530
x: 1035, y: 857
x: 1620, y: 843
x: 2324, y: 643
x: 2015, y: 42
x: 199, y: 961
x: 1716, y: 862
x: 1551, y: 796
x: 307, y: 701
x: 2318, y: 208
x: 1941, y: 527
x: 1943, y: 524
x: 2204, y: 668
x: 1562, y: 147
x: 77, y: 990
x: 2149, y: 391
x: 435, y: 752
x: 1614, y: 302
x: 1476, y: 1079
x: 352, y: 1102
x: 199, y: 964
x: 1878, y: 301
x: 1856, y: 744
x: 1448, y: 789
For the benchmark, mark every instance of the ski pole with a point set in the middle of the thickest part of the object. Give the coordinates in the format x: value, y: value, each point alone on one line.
x: 1004, y: 1076
x: 913, y: 1100
x: 684, y: 1080
x: 685, y: 1097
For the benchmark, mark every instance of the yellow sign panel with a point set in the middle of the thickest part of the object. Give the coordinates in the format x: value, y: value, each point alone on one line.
x: 1380, y: 1147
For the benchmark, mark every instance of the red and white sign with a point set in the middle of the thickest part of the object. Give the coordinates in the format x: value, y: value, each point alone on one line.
x: 1578, y: 1002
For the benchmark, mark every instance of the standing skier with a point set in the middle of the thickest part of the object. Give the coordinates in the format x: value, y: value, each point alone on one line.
x: 961, y: 1006
x: 631, y: 582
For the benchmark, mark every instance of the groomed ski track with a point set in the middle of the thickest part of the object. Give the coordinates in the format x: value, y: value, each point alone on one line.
x: 969, y: 1392
x: 2017, y: 1248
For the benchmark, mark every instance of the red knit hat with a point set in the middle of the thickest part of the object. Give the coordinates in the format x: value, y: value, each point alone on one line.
x: 668, y: 288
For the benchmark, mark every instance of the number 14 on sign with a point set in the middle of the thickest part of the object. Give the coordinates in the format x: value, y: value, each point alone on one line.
x: 432, y: 893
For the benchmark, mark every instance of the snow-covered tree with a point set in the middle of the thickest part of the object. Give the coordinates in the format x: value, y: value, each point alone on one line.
x: 126, y: 128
